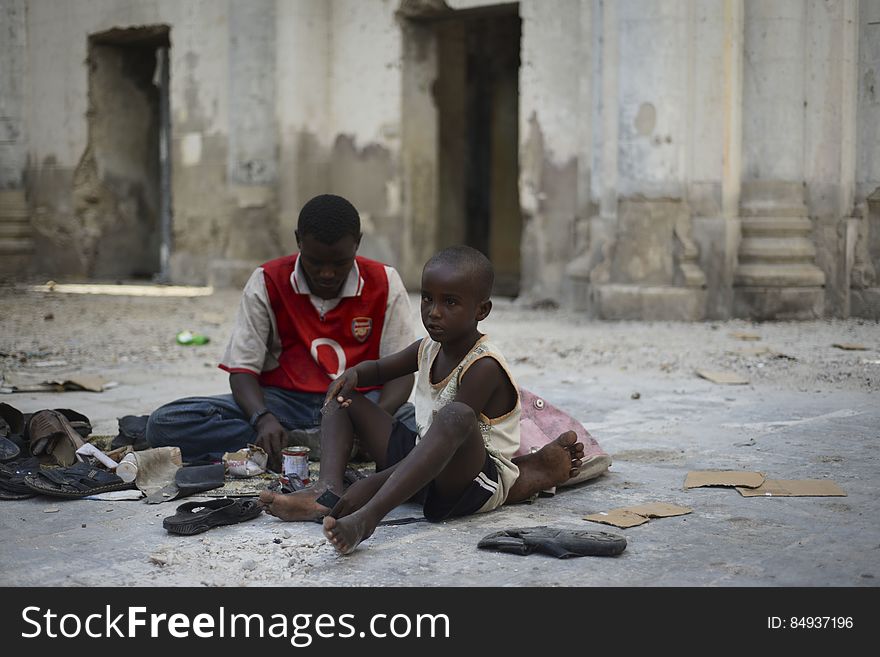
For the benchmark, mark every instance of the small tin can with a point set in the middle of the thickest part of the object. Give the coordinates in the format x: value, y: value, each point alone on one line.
x: 296, y: 462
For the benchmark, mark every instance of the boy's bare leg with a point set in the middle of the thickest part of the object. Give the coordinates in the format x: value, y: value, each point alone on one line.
x: 451, y: 454
x: 552, y: 465
x: 337, y: 438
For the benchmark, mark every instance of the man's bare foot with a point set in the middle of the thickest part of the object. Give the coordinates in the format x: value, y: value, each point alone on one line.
x: 345, y: 534
x: 553, y: 464
x: 300, y: 505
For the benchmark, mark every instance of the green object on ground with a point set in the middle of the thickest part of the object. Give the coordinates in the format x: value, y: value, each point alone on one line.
x: 189, y: 338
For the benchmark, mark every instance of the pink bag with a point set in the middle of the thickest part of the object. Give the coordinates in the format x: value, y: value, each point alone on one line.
x: 541, y: 423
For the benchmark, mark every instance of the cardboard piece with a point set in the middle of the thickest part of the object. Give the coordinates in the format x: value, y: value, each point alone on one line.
x: 794, y: 488
x: 91, y: 383
x: 632, y: 516
x: 743, y: 478
x: 739, y: 335
x: 725, y: 378
x: 849, y: 346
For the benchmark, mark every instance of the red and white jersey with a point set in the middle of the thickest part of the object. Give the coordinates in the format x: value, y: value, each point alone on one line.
x: 292, y: 339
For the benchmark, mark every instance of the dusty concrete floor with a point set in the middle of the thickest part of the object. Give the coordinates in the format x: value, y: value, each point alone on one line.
x: 812, y: 413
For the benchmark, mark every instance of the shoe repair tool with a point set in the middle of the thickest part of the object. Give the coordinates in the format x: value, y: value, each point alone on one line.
x: 331, y: 405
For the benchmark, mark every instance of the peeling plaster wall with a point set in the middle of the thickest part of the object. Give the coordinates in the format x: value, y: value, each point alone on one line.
x: 868, y: 131
x: 13, y: 71
x: 58, y: 35
x: 365, y: 116
x: 303, y: 107
x: 773, y: 91
x: 829, y: 140
x: 549, y: 155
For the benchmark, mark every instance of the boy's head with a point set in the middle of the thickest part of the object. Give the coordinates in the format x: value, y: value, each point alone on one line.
x: 456, y: 289
x: 328, y: 234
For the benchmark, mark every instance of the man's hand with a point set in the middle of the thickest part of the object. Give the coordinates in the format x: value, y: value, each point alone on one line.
x: 272, y: 438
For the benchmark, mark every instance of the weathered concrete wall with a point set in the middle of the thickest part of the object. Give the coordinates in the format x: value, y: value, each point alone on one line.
x: 550, y: 114
x: 868, y: 130
x: 365, y: 115
x: 58, y: 84
x: 829, y: 140
x: 648, y: 133
x: 13, y: 79
x: 773, y: 91
x: 115, y: 185
x: 303, y: 107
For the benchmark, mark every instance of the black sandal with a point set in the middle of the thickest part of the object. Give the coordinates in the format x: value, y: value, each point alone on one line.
x: 80, y: 480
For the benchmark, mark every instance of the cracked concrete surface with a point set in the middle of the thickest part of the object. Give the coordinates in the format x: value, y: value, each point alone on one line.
x: 812, y: 417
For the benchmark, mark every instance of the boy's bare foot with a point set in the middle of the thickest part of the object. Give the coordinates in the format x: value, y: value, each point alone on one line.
x: 553, y: 464
x: 300, y: 505
x: 345, y: 534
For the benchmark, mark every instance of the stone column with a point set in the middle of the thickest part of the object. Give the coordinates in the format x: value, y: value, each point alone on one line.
x: 649, y: 263
x: 16, y: 240
x: 777, y: 277
x: 254, y: 234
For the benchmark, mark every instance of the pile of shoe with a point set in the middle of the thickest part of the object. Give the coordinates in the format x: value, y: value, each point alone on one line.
x: 38, y: 456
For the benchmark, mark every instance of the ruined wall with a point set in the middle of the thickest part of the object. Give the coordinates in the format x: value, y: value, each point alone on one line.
x: 365, y: 115
x: 865, y: 243
x: 58, y: 37
x: 551, y: 118
x: 13, y: 70
x: 303, y: 107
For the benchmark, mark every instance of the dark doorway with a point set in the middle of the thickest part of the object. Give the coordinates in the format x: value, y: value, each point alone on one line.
x: 121, y: 187
x: 477, y: 98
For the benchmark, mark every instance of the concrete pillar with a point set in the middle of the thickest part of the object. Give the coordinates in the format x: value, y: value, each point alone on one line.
x: 649, y: 267
x: 865, y: 273
x: 419, y: 151
x: 777, y: 277
x: 16, y: 239
x: 552, y: 62
x: 254, y: 234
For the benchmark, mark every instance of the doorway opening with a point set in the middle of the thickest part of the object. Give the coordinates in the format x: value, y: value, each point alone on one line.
x: 464, y: 65
x: 122, y: 184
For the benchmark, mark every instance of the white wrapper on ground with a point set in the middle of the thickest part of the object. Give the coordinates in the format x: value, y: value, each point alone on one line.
x: 246, y: 462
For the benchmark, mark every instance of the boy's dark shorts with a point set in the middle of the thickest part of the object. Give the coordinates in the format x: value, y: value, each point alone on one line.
x: 436, y: 508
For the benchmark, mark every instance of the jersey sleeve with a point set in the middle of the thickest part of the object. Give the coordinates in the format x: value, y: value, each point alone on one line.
x: 397, y: 330
x: 253, y: 329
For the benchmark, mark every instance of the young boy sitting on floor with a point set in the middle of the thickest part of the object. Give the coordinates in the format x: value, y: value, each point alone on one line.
x: 467, y: 410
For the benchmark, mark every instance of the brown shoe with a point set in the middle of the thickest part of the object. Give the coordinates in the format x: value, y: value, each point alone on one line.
x: 52, y: 438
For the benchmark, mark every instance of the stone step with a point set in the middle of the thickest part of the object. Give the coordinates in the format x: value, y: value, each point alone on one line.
x: 16, y: 246
x: 776, y: 226
x: 772, y: 210
x: 12, y: 199
x: 15, y: 228
x: 777, y: 249
x: 755, y: 274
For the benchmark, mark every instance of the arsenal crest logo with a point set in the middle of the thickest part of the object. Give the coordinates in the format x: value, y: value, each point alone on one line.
x: 361, y: 327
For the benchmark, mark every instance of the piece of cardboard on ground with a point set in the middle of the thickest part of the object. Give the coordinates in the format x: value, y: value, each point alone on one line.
x: 23, y: 383
x: 743, y: 478
x: 724, y: 378
x: 632, y: 516
x: 794, y: 488
x: 849, y: 346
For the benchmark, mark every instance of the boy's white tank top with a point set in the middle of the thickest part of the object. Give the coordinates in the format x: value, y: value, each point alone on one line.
x: 500, y: 434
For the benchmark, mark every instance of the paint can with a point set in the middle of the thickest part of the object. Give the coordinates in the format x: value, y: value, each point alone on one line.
x: 295, y: 461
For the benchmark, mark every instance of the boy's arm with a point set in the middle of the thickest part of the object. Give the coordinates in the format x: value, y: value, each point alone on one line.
x: 479, y: 385
x: 395, y: 393
x: 375, y: 372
